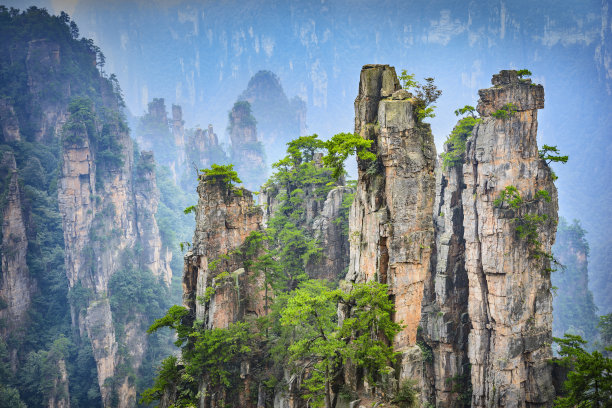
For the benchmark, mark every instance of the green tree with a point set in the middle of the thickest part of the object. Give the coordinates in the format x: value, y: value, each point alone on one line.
x: 424, y: 95
x: 523, y: 73
x: 304, y: 148
x: 224, y: 173
x: 456, y: 141
x: 320, y: 345
x: 589, y: 383
x: 311, y: 312
x: 467, y: 109
x: 605, y: 329
x: 371, y: 328
x: 341, y: 146
x: 552, y: 154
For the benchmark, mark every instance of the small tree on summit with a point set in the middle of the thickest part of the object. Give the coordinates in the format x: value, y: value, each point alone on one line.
x: 424, y: 95
x: 523, y: 72
x: 223, y: 172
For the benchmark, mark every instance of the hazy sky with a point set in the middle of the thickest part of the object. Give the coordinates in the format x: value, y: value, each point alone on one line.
x: 201, y: 55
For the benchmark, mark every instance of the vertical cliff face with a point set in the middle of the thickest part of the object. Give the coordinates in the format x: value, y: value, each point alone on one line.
x: 510, y: 304
x: 204, y: 147
x: 43, y: 65
x: 108, y: 212
x: 224, y: 219
x: 154, y: 256
x: 445, y: 320
x: 16, y: 285
x: 462, y: 262
x: 391, y: 225
x: 247, y: 152
x: 9, y: 122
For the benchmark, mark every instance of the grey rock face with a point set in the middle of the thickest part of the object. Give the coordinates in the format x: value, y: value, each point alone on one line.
x: 105, y: 214
x: 510, y: 304
x: 445, y: 321
x: 391, y: 226
x: 16, y: 285
x: 224, y: 220
x: 9, y: 123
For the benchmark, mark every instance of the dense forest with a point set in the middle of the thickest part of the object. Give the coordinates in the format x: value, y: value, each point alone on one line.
x: 158, y: 265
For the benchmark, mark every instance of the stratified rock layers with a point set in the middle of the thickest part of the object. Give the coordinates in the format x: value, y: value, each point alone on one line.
x: 510, y: 304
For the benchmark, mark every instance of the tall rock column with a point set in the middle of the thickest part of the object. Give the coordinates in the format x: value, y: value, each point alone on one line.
x: 146, y: 194
x: 107, y: 210
x: 247, y: 151
x: 224, y: 219
x: 391, y: 225
x: 510, y: 304
x: 218, y: 287
x: 16, y: 284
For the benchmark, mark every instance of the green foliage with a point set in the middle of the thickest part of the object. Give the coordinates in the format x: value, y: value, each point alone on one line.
x: 81, y: 121
x: 523, y: 73
x: 509, y: 195
x: 341, y: 146
x: 589, y: 383
x: 470, y: 110
x: 79, y: 297
x: 551, y: 154
x: 370, y: 325
x: 135, y: 290
x: 505, y: 112
x: 407, y: 395
x: 240, y: 115
x: 293, y: 249
x: 9, y: 395
x: 223, y: 173
x: 426, y: 352
x: 311, y: 313
x: 423, y: 94
x: 214, y: 350
x: 304, y: 148
x: 174, y: 320
x: 215, y: 354
x: 456, y: 141
x: 605, y: 329
x: 407, y: 80
x: 190, y: 209
x: 543, y: 195
x: 168, y: 377
x: 526, y: 225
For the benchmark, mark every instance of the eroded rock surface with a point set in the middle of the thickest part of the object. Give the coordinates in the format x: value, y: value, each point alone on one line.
x: 391, y: 226
x: 107, y: 213
x: 247, y: 152
x: 16, y: 285
x: 510, y: 304
x: 224, y: 219
x: 445, y: 320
